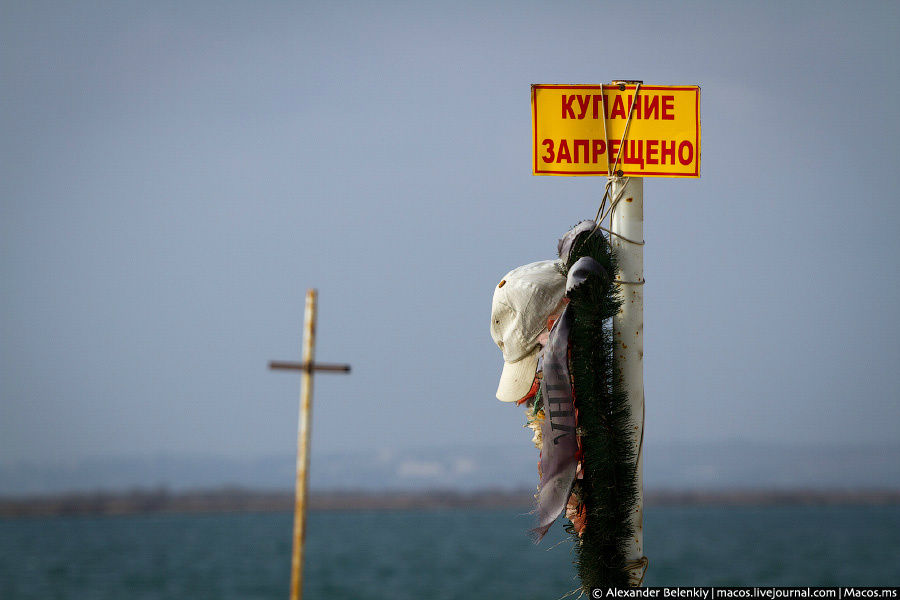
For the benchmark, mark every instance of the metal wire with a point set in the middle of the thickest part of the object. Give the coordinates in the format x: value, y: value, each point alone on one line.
x: 612, y: 177
x: 637, y: 90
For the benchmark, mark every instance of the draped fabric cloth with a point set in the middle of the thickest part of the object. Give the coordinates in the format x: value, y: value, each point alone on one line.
x: 564, y: 247
x: 559, y: 451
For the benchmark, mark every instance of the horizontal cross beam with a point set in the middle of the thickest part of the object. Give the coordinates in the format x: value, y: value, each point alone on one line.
x: 308, y: 367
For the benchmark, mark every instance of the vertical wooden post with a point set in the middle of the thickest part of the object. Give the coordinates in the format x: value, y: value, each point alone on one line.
x: 303, y: 433
x: 628, y: 332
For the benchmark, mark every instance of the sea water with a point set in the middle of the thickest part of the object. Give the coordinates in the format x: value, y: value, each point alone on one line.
x: 434, y: 554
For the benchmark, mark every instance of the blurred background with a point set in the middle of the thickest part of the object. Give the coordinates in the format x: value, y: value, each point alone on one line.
x: 175, y: 175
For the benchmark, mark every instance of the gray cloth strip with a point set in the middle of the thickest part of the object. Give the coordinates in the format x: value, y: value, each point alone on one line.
x: 559, y: 447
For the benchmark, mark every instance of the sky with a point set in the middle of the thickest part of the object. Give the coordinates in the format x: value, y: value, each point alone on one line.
x: 174, y: 176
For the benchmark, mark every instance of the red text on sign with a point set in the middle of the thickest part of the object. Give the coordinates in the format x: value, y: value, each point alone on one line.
x: 633, y: 152
x: 646, y: 107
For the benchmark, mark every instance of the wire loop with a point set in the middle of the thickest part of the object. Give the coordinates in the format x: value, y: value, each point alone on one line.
x: 611, y: 178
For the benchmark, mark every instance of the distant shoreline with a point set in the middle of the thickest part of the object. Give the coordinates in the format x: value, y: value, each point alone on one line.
x: 239, y: 500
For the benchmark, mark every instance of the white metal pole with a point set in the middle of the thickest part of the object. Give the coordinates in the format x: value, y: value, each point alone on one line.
x: 628, y: 332
x: 303, y: 431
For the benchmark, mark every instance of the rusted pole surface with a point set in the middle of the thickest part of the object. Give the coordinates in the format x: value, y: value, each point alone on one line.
x: 303, y: 431
x: 628, y: 331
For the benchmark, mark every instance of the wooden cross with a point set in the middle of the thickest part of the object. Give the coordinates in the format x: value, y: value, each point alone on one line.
x: 307, y: 367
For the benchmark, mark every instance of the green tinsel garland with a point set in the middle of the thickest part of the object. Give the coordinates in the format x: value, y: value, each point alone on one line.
x: 608, y: 489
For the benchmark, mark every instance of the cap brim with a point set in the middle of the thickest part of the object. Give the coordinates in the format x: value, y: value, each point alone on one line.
x: 517, y: 377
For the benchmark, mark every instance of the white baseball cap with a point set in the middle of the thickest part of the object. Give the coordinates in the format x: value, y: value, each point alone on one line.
x: 523, y: 300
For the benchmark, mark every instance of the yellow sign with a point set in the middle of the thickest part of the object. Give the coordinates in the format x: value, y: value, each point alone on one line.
x: 578, y: 130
